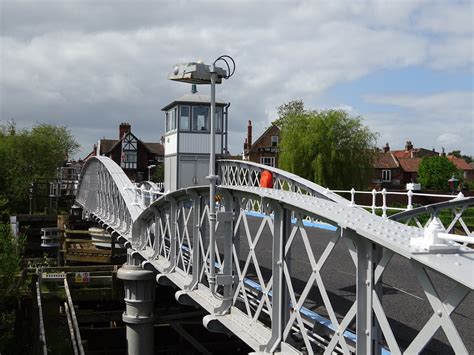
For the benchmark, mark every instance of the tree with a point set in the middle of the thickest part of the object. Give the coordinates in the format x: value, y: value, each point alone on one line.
x: 287, y: 111
x: 457, y: 154
x: 26, y: 155
x: 11, y: 250
x: 159, y: 174
x: 328, y: 147
x: 434, y: 172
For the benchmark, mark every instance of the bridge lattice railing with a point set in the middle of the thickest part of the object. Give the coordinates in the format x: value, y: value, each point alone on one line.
x: 287, y: 299
x: 104, y: 192
x: 455, y: 216
x: 246, y: 173
x: 280, y: 284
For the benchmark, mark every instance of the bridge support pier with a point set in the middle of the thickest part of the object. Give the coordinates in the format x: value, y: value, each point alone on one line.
x: 139, y: 288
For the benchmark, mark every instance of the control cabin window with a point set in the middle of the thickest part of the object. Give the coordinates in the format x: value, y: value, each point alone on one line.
x: 171, y: 119
x: 219, y: 117
x: 200, y: 118
x: 184, y: 118
x: 270, y: 161
x: 386, y: 175
x: 129, y: 152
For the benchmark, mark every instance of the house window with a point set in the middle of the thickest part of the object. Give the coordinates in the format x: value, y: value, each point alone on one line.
x: 270, y: 161
x: 128, y: 160
x: 274, y: 141
x: 200, y: 118
x: 184, y: 118
x: 386, y: 175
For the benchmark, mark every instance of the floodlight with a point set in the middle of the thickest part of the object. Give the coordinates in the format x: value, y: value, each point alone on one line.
x: 195, y: 73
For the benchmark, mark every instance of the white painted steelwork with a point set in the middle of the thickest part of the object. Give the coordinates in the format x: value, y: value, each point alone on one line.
x: 451, y: 212
x: 264, y: 307
x: 102, y: 193
x: 384, y: 207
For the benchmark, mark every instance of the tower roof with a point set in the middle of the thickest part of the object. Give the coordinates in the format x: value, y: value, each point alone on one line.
x: 195, y: 98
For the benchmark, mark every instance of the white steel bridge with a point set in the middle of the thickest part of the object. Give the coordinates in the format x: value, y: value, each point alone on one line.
x: 359, y: 283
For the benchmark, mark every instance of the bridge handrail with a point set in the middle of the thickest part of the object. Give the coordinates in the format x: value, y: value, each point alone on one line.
x: 227, y: 168
x: 104, y: 191
x: 384, y: 207
x: 433, y: 208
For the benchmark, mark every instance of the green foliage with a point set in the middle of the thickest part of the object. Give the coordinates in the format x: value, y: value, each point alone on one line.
x: 26, y: 155
x: 11, y: 250
x: 11, y: 253
x: 328, y: 147
x: 457, y: 153
x: 288, y: 110
x: 159, y: 173
x: 434, y: 172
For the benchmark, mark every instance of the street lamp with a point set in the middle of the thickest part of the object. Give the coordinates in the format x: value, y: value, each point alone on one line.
x: 149, y: 168
x: 200, y: 73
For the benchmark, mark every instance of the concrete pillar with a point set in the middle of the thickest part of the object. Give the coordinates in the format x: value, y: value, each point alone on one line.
x: 139, y: 288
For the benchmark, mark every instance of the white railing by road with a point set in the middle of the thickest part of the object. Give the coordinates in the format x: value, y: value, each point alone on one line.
x: 384, y: 206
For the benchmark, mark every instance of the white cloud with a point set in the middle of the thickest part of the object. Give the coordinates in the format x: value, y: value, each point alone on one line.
x: 92, y: 64
x: 449, y: 139
x: 454, y: 17
x: 452, y: 52
x: 438, y: 120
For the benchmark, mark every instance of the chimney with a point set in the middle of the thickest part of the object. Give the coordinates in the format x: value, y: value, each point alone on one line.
x: 249, y: 135
x: 123, y: 129
x: 95, y: 150
x: 245, y: 144
x: 408, y: 146
x: 386, y: 149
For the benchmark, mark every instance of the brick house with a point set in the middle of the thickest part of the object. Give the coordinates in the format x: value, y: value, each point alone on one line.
x: 396, y: 168
x: 466, y: 168
x: 265, y: 149
x: 130, y: 153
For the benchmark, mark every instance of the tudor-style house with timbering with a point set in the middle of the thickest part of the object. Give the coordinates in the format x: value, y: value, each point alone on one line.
x: 136, y: 158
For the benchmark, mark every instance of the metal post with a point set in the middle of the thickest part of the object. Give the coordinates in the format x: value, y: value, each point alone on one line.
x: 139, y: 288
x: 226, y: 278
x: 196, y: 269
x: 410, y: 199
x: 384, y: 202
x: 280, y: 296
x: 212, y: 183
x: 367, y: 327
x: 74, y: 318
x: 42, y: 336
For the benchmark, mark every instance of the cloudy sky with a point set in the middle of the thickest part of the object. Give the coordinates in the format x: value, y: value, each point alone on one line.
x: 405, y: 66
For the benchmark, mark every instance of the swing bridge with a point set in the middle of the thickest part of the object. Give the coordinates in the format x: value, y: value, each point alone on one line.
x: 292, y: 269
